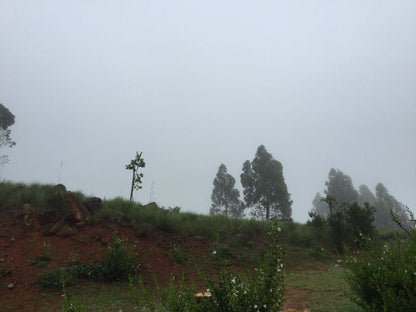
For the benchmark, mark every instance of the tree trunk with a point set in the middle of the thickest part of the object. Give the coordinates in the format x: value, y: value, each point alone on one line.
x: 267, y: 212
x: 132, y: 185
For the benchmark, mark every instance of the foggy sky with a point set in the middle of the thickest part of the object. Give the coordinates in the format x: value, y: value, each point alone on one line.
x: 193, y: 84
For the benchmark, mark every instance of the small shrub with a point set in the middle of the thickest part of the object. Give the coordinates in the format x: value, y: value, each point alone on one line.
x: 117, y: 264
x: 384, y: 279
x: 50, y: 279
x: 42, y: 260
x: 179, y: 297
x: 140, y: 294
x: 179, y: 256
x: 261, y: 290
x: 69, y: 304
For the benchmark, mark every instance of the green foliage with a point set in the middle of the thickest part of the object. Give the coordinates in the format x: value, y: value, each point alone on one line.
x: 325, y: 288
x: 386, y: 203
x: 151, y: 217
x: 320, y: 207
x: 13, y: 195
x: 340, y: 187
x: 116, y: 265
x: 42, y: 260
x: 50, y: 279
x: 6, y: 120
x: 348, y: 222
x: 384, y: 278
x: 4, y: 272
x: 178, y: 254
x: 261, y: 290
x: 225, y: 198
x: 179, y: 296
x: 134, y: 165
x: 69, y: 304
x: 140, y: 294
x: 264, y: 187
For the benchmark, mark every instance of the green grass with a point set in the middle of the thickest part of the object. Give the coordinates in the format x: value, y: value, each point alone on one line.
x: 326, y: 289
x: 104, y: 296
x: 13, y: 195
x: 309, y: 260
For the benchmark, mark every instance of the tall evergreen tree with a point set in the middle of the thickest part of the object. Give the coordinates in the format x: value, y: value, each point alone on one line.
x: 366, y: 196
x: 225, y: 198
x: 320, y: 207
x: 386, y: 203
x: 265, y: 189
x: 340, y: 187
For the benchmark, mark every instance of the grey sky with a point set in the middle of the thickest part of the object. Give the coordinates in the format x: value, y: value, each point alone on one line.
x: 193, y: 84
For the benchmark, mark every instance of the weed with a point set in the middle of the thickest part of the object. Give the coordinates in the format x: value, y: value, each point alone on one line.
x: 383, y: 279
x: 4, y: 272
x: 179, y: 256
x: 262, y: 290
x: 50, y: 279
x: 42, y: 260
x: 117, y: 263
x: 69, y: 304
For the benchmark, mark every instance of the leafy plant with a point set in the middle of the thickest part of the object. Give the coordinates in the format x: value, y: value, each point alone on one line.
x: 69, y: 304
x: 42, y: 260
x: 134, y: 165
x: 117, y: 263
x: 384, y: 279
x: 50, y: 279
x: 179, y: 256
x: 261, y: 290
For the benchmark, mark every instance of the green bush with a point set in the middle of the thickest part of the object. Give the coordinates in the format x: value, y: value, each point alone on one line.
x: 117, y: 264
x: 50, y: 279
x: 13, y: 195
x: 261, y: 290
x: 347, y: 222
x: 384, y: 279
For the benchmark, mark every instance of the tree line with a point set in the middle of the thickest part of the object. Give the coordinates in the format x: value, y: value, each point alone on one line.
x: 340, y: 192
x: 264, y: 190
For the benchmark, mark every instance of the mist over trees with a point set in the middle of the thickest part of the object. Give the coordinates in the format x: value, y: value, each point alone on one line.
x: 6, y: 120
x: 225, y: 197
x: 339, y: 187
x: 340, y: 192
x: 264, y: 186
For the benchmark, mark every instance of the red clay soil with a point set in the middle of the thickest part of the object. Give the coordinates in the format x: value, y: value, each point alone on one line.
x: 20, y: 243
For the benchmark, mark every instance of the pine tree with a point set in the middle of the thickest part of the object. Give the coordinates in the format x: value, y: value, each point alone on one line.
x: 340, y: 188
x: 265, y: 189
x: 225, y: 198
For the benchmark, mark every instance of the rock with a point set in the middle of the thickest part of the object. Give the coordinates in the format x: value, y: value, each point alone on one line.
x: 55, y: 228
x: 80, y: 225
x: 75, y: 210
x: 47, y: 217
x: 93, y: 204
x: 28, y: 209
x: 27, y: 220
x: 10, y: 285
x: 59, y: 188
x: 120, y: 217
x: 66, y: 231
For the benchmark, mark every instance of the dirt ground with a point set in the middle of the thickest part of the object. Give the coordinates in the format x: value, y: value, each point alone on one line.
x: 20, y: 243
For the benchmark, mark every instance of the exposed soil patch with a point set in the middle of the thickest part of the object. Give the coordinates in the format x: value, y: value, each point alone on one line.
x: 21, y: 244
